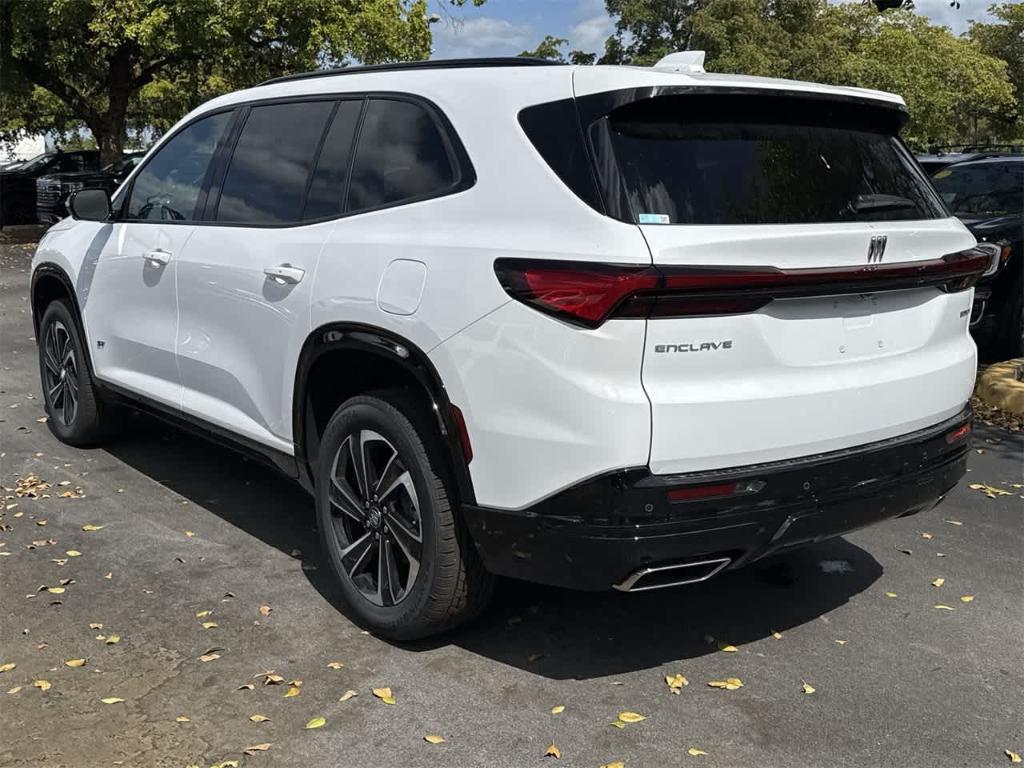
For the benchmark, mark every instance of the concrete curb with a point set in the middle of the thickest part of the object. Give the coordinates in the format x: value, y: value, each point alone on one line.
x: 999, y: 386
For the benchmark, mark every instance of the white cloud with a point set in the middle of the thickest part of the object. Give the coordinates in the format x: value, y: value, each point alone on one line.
x: 592, y: 29
x: 957, y: 19
x: 483, y: 36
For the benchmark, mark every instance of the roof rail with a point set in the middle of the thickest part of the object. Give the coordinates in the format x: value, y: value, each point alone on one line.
x: 498, y: 61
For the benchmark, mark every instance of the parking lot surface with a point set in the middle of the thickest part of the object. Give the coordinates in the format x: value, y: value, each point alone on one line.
x: 205, y: 568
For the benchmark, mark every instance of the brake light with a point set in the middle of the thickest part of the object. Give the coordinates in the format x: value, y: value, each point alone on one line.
x: 587, y: 294
x: 958, y: 434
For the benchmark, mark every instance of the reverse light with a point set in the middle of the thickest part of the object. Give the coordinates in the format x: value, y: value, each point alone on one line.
x: 587, y: 294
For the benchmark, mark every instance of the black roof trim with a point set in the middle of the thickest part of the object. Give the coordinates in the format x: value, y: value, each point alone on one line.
x: 498, y: 61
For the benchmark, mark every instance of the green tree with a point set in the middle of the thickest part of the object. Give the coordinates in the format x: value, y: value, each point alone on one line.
x: 1004, y: 39
x: 110, y: 63
x: 646, y: 30
x: 551, y: 48
x: 952, y: 89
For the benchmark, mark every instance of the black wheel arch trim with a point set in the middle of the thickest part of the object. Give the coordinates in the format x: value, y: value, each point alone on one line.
x: 337, y: 336
x: 50, y: 270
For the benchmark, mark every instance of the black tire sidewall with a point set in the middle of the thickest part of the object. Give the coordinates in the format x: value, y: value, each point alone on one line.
x: 366, y: 412
x: 84, y: 427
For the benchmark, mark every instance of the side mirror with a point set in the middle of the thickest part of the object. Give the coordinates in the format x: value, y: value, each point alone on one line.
x: 90, y: 205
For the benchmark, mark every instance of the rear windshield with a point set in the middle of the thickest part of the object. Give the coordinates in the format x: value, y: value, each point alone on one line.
x: 755, y: 160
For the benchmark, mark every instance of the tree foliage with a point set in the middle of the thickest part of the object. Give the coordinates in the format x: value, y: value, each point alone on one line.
x: 1004, y: 40
x: 111, y: 64
x: 551, y: 48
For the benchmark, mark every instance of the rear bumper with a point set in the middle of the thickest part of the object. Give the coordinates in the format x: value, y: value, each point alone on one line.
x: 598, y: 534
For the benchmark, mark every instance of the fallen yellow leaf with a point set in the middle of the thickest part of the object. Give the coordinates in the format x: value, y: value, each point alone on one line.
x: 942, y: 607
x: 334, y: 665
x: 557, y: 710
x: 113, y: 639
x: 7, y: 667
x: 73, y: 553
x: 203, y: 614
x: 777, y: 635
x: 316, y: 722
x: 1014, y: 756
x: 954, y: 522
x: 631, y: 717
x: 190, y: 534
x: 91, y: 527
x: 292, y: 692
x: 112, y: 700
x: 94, y: 625
x: 730, y: 684
x: 728, y: 648
x: 676, y: 682
x: 890, y: 594
x: 74, y: 663
x: 209, y: 657
x: 966, y: 598
x: 209, y: 625
x: 617, y: 724
x: 384, y: 694
x: 694, y: 752
x: 808, y: 688
x: 926, y: 536
x: 840, y: 642
x: 553, y: 751
x: 265, y: 610
x: 348, y: 695
x: 182, y: 719
x: 256, y: 748
x: 14, y: 690
x: 259, y: 718
x: 616, y: 764
x: 432, y: 738
x: 43, y: 685
x: 55, y: 590
x: 938, y: 582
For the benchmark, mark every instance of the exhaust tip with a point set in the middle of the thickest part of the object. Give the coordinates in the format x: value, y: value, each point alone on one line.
x: 675, y: 575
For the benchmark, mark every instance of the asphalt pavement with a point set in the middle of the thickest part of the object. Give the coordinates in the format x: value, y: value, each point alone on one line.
x: 184, y: 527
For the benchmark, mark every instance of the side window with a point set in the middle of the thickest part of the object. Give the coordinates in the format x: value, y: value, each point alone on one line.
x: 168, y: 187
x: 328, y: 184
x: 270, y: 167
x: 401, y: 156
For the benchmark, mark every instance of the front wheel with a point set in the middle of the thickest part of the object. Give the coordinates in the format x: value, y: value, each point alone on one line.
x: 76, y: 415
x: 405, y: 564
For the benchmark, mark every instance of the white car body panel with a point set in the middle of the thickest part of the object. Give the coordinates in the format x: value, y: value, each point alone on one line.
x: 546, y: 404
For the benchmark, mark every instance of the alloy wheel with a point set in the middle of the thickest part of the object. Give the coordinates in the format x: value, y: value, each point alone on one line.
x: 375, y: 516
x: 62, y: 376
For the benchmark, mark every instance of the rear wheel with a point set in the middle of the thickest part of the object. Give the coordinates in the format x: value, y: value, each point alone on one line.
x: 76, y: 416
x: 406, y: 566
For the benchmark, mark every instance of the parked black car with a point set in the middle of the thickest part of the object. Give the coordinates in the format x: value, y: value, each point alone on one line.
x: 939, y: 157
x: 18, y: 184
x: 987, y: 195
x: 53, y: 190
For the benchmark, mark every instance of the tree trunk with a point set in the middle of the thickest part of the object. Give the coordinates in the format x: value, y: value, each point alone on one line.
x: 109, y: 135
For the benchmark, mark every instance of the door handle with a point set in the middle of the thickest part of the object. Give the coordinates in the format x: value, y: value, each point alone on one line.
x: 157, y: 258
x: 285, y: 274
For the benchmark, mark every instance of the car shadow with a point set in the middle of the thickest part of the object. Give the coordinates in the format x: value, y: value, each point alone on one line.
x: 555, y: 633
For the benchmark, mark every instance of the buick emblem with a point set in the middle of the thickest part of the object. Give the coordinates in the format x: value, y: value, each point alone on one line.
x: 876, y: 249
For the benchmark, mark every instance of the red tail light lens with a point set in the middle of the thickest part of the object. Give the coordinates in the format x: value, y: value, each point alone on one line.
x: 958, y: 434
x: 460, y: 424
x: 587, y: 294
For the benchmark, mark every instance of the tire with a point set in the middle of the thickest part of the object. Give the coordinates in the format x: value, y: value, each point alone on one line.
x: 76, y: 415
x: 427, y: 587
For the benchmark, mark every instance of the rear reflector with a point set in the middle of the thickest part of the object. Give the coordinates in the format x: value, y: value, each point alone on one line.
x: 587, y: 294
x: 715, y: 490
x: 958, y: 434
x: 460, y: 425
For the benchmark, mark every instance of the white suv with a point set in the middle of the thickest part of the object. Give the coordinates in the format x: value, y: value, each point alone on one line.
x: 591, y: 326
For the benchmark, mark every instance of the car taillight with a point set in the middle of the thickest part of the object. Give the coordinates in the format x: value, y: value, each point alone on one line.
x: 587, y: 294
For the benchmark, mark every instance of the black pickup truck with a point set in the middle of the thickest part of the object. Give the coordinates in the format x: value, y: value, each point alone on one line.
x: 53, y: 190
x: 987, y: 195
x: 18, y: 182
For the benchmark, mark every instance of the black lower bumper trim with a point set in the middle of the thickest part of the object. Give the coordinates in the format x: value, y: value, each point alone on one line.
x: 594, y: 535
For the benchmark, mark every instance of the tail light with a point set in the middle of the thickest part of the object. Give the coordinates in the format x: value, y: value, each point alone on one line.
x: 587, y: 294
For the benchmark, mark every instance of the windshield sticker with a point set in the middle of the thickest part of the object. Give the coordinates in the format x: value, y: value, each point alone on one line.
x: 655, y: 218
x: 942, y: 174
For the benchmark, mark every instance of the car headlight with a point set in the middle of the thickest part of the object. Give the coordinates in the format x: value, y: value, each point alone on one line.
x: 995, y: 253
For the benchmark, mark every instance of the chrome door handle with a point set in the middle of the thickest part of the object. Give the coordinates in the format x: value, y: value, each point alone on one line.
x: 157, y: 258
x: 285, y: 274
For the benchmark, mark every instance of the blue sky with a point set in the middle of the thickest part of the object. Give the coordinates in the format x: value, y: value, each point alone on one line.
x: 506, y: 27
